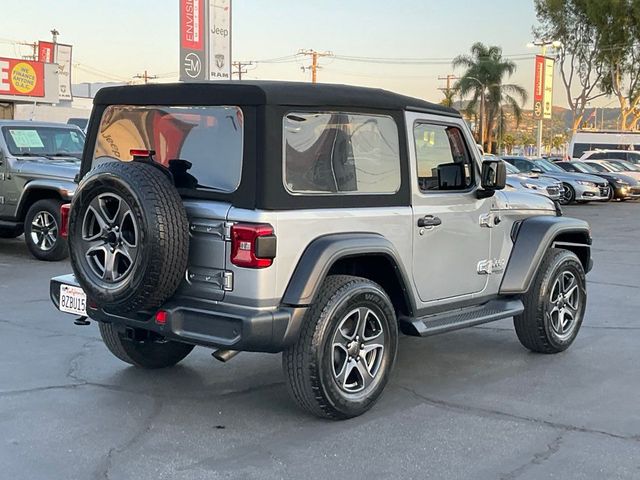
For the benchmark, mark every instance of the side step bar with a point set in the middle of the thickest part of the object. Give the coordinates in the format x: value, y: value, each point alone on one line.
x: 461, y: 318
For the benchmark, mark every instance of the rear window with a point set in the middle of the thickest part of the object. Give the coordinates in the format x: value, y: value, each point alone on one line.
x: 201, y: 146
x: 341, y: 153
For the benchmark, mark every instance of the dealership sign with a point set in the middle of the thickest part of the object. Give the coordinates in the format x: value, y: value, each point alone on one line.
x: 220, y: 39
x: 63, y: 59
x: 21, y: 78
x: 205, y: 40
x: 543, y: 88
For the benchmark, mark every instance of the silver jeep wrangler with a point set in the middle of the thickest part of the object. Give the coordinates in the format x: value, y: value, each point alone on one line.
x: 313, y: 220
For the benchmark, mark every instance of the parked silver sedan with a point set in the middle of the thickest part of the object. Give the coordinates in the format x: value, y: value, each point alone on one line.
x: 533, y: 184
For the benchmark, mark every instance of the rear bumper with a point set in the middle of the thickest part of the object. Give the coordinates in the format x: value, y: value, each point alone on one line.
x: 207, y: 324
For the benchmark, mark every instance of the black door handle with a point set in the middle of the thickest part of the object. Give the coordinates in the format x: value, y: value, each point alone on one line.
x: 429, y: 221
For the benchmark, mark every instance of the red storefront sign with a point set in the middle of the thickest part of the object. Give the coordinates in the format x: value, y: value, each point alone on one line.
x: 538, y: 88
x: 45, y: 52
x: 192, y: 16
x: 21, y: 77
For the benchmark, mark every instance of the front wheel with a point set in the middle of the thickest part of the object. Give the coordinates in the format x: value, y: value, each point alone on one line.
x: 568, y: 196
x: 342, y: 360
x: 42, y: 231
x: 149, y: 353
x: 555, y: 304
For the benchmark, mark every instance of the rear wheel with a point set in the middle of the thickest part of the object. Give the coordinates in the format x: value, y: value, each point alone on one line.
x: 42, y: 231
x: 554, y: 305
x: 346, y: 350
x: 151, y: 352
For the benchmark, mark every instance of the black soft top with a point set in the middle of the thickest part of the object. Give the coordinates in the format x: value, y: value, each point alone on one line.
x: 265, y: 93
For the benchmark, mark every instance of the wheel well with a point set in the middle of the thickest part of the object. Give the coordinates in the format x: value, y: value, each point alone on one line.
x: 578, y: 243
x: 381, y: 269
x: 32, y: 196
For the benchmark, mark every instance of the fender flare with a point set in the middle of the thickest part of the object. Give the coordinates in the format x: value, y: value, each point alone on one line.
x: 322, y: 253
x: 58, y: 187
x: 533, y: 237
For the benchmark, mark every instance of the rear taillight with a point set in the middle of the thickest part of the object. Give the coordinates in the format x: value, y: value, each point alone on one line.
x: 252, y: 245
x: 64, y: 219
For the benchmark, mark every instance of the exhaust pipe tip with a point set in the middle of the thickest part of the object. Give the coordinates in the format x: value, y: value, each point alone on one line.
x: 224, y: 355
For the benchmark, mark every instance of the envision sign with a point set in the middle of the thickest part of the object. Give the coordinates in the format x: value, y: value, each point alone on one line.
x: 205, y: 40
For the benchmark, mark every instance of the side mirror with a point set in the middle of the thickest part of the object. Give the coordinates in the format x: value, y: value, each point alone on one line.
x: 493, y: 177
x: 451, y: 176
x: 536, y: 170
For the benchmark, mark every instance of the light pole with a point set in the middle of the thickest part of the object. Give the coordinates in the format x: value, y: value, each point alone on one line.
x: 543, y: 44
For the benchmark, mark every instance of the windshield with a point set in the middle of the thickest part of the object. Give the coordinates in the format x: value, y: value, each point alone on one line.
x: 547, y: 166
x: 38, y: 141
x: 201, y: 146
x: 584, y: 168
x: 625, y: 165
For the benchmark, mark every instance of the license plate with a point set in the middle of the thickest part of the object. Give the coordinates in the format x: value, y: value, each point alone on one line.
x: 73, y: 300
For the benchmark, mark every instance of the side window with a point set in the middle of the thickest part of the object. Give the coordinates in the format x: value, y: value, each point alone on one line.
x: 444, y: 162
x: 523, y: 165
x: 343, y: 153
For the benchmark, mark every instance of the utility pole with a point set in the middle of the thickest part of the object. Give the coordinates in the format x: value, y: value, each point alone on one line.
x: 146, y: 77
x: 314, y: 62
x: 240, y: 68
x: 448, y: 89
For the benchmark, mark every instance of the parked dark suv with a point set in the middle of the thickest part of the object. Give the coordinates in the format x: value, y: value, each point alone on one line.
x: 313, y: 220
x: 38, y: 163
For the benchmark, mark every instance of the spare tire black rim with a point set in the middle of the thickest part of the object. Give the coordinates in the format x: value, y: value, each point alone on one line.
x: 110, y: 238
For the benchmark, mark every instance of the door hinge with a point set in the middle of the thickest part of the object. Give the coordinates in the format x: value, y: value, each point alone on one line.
x: 489, y: 220
x: 1, y: 200
x: 1, y: 176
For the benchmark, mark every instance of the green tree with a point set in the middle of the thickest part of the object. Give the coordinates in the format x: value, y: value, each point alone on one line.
x: 449, y: 97
x: 509, y: 142
x: 486, y: 72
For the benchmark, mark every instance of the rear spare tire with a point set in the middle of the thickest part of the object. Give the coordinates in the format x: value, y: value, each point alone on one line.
x: 128, y: 236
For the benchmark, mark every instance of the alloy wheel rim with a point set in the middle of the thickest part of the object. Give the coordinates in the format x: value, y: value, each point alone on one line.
x: 564, y: 305
x: 44, y: 231
x: 567, y: 196
x: 110, y: 238
x: 357, y: 350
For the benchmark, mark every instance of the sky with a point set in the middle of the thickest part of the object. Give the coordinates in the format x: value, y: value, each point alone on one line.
x: 117, y: 39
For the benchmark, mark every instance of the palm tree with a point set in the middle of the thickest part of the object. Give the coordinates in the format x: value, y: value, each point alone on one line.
x: 484, y: 79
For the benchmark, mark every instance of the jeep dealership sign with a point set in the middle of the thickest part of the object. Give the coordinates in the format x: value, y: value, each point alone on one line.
x: 205, y: 40
x: 220, y: 39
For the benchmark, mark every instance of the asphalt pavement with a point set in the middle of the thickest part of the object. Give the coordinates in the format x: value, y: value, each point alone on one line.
x: 472, y: 404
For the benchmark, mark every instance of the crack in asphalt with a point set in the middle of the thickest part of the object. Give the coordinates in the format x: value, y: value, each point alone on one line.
x: 538, y: 458
x: 613, y: 284
x: 145, y: 427
x: 512, y: 416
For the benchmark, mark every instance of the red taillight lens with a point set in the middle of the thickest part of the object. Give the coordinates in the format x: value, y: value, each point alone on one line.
x: 140, y: 152
x: 64, y: 219
x: 252, y: 245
